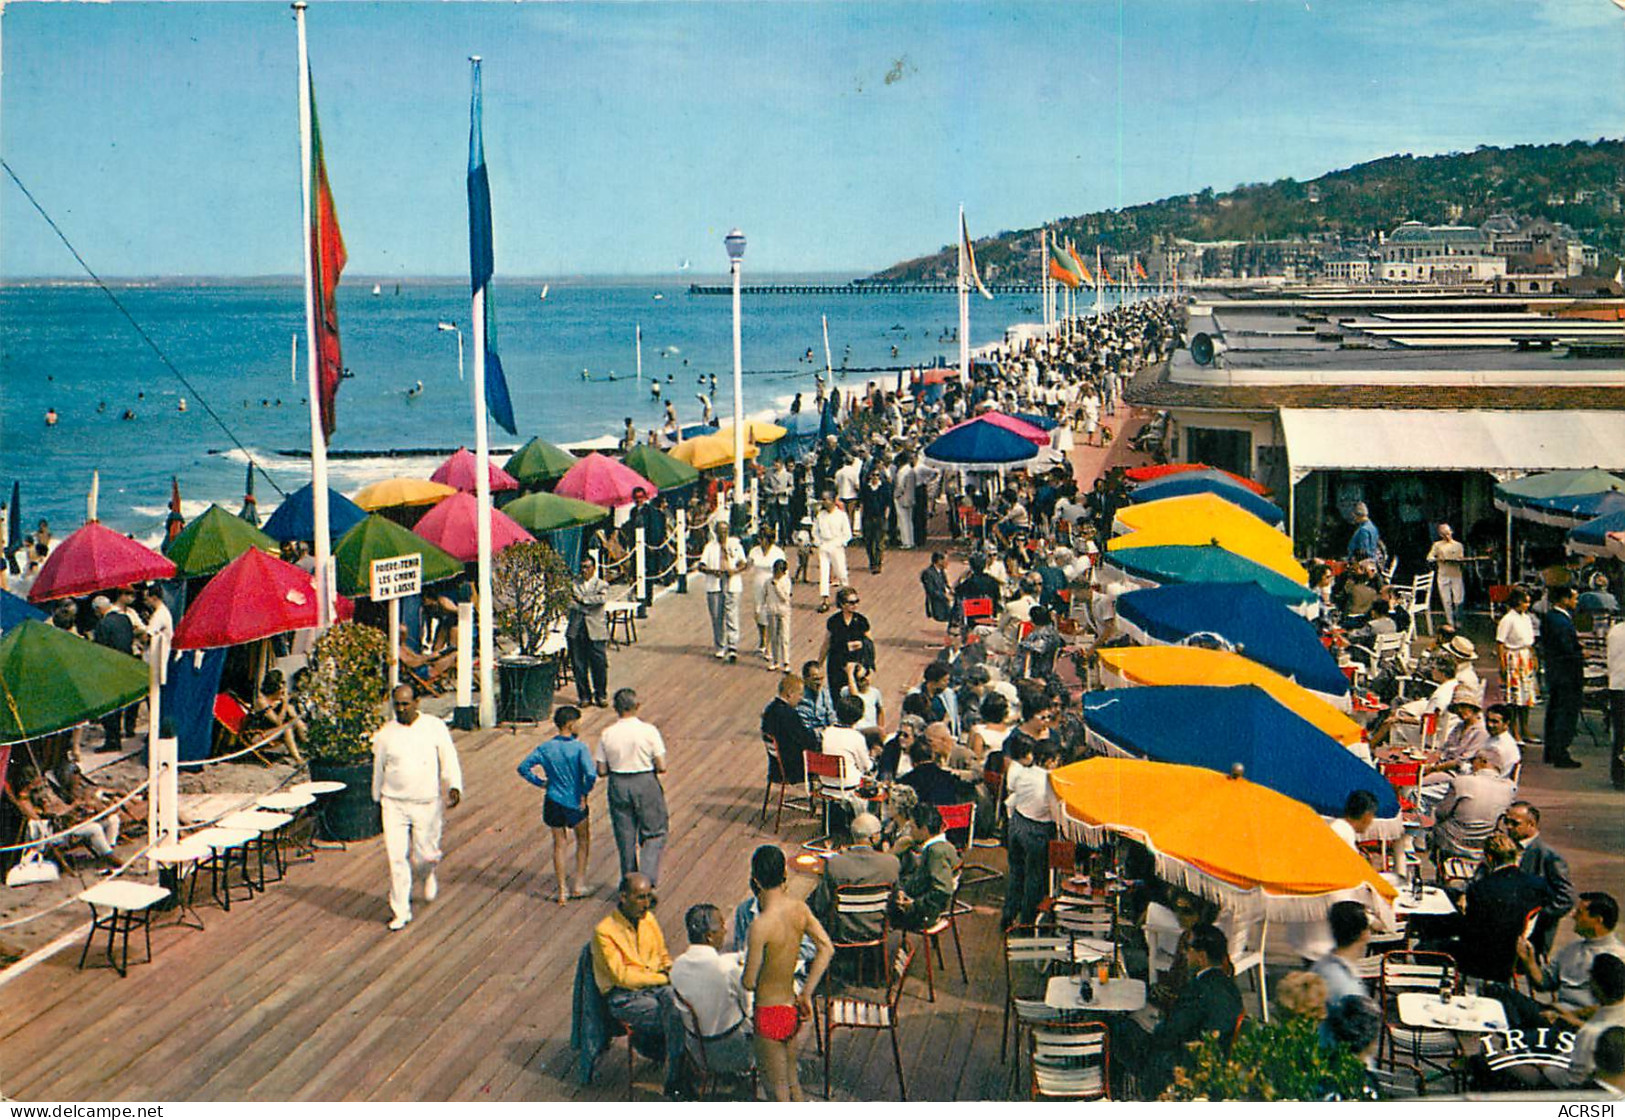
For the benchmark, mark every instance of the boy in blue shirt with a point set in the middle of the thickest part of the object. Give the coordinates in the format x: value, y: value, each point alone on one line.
x: 569, y: 777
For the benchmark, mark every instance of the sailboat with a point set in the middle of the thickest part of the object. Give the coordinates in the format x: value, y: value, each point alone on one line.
x: 544, y: 291
x: 377, y: 289
x: 684, y: 266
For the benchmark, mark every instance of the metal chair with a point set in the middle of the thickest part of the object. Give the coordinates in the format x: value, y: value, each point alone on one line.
x: 695, y: 1056
x: 1247, y: 955
x: 1070, y: 1061
x: 775, y: 765
x: 822, y: 768
x: 850, y: 1013
x: 949, y: 921
x: 1029, y: 954
x: 1418, y: 599
x: 860, y: 906
x: 1430, y: 1051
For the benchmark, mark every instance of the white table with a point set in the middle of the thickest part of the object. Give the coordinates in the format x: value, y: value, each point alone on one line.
x: 225, y: 844
x: 128, y: 905
x: 1433, y: 901
x: 1464, y: 1014
x: 268, y: 826
x: 319, y: 790
x: 183, y: 853
x: 1120, y: 995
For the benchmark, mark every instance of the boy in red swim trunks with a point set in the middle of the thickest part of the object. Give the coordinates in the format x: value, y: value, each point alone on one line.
x: 773, y: 947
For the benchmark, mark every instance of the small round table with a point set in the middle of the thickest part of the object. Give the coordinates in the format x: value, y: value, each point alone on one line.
x: 180, y: 862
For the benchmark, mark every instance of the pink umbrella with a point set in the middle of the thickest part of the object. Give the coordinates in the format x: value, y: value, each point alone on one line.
x: 603, y: 482
x: 459, y: 471
x: 94, y: 558
x: 1029, y: 432
x: 253, y: 597
x: 454, y: 526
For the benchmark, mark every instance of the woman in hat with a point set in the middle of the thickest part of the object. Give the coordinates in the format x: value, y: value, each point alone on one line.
x: 1515, y: 643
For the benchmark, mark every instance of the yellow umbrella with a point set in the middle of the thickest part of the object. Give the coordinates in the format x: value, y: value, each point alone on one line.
x: 1217, y: 834
x: 1187, y: 509
x: 756, y: 431
x: 704, y: 453
x: 402, y: 491
x: 1192, y: 665
x: 1198, y: 519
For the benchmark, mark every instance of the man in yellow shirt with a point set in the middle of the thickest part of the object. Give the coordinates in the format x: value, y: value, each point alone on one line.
x: 632, y: 969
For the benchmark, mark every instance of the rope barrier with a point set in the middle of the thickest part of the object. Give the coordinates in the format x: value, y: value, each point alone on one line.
x: 199, y: 763
x: 56, y: 836
x: 66, y: 902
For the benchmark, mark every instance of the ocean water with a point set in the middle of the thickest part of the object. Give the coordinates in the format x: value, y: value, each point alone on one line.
x: 68, y: 348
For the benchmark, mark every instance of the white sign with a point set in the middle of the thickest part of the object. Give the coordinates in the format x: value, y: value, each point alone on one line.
x: 397, y: 577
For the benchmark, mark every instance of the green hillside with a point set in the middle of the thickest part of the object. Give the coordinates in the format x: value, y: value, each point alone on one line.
x: 1579, y: 183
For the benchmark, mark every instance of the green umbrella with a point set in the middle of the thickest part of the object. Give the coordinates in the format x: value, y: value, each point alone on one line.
x: 378, y: 538
x: 538, y: 462
x: 214, y: 539
x: 660, y: 468
x: 51, y: 680
x: 542, y: 513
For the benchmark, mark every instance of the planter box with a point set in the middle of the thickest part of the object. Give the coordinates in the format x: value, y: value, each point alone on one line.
x: 351, y: 813
x: 525, y: 689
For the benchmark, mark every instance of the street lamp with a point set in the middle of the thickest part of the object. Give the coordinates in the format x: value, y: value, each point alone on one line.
x: 453, y: 327
x: 735, y: 244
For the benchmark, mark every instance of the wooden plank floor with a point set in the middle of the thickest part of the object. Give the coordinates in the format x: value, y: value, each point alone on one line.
x: 303, y: 994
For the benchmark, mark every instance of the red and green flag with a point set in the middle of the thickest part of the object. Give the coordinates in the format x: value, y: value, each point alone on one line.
x: 1060, y: 267
x: 328, y: 259
x: 1077, y: 263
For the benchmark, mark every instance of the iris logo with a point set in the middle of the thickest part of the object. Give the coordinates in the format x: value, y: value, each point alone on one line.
x: 1542, y: 1047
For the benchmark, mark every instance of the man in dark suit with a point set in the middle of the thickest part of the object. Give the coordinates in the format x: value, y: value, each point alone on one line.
x: 1537, y: 858
x: 115, y: 631
x: 784, y: 725
x: 1208, y: 1003
x: 1494, y: 911
x: 938, y: 604
x: 1565, y: 677
x: 860, y: 865
x: 930, y: 777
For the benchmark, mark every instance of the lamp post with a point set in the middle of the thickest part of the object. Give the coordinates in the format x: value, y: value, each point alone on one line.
x: 735, y: 244
x: 458, y: 331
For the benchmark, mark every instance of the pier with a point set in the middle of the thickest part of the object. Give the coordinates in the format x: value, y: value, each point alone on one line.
x: 856, y: 288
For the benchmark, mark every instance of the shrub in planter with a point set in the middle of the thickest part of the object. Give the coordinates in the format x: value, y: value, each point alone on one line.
x: 346, y: 700
x: 530, y: 586
x: 1281, y: 1060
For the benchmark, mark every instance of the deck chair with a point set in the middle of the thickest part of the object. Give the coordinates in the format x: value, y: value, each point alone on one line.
x: 232, y: 716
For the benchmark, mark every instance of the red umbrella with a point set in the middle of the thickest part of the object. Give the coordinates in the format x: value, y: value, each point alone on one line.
x: 454, y: 526
x: 94, y: 558
x: 1032, y: 433
x: 253, y: 597
x: 460, y: 471
x: 937, y: 375
x: 1163, y: 470
x: 603, y: 482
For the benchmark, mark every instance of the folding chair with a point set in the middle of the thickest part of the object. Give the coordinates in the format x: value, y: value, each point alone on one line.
x: 1063, y: 860
x: 1030, y: 956
x: 775, y: 765
x: 1070, y: 1061
x: 977, y: 610
x: 1419, y: 600
x: 850, y: 1013
x: 232, y: 716
x: 860, y: 905
x: 948, y: 921
x: 823, y: 768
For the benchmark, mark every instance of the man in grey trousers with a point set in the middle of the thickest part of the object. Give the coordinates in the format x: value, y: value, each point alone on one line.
x: 632, y: 756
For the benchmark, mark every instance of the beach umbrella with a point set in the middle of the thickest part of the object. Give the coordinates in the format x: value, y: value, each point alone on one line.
x: 937, y: 375
x: 980, y: 443
x: 539, y: 462
x: 1037, y: 420
x: 756, y: 431
x: 95, y: 558
x: 378, y: 538
x: 1247, y: 618
x: 295, y: 518
x: 15, y: 610
x: 1218, y: 728
x: 461, y: 471
x: 543, y: 513
x: 1206, y: 563
x: 454, y: 526
x: 1029, y: 432
x: 1183, y: 485
x: 251, y: 507
x: 1568, y: 497
x: 255, y: 596
x: 660, y: 468
x: 1591, y: 539
x: 176, y: 521
x: 603, y: 481
x: 214, y: 539
x: 705, y: 453
x: 402, y: 491
x: 1133, y: 666
x: 1226, y: 838
x: 1222, y: 524
x: 51, y: 680
x: 1162, y: 472
x: 1616, y: 545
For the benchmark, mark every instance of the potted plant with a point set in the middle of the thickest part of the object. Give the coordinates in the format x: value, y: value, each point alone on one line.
x: 530, y: 586
x: 348, y: 678
x: 1281, y: 1060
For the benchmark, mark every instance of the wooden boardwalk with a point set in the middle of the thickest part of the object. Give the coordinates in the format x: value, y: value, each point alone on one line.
x: 303, y: 994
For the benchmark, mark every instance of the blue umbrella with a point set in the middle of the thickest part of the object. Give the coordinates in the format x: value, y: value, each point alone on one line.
x: 1037, y: 420
x: 14, y: 610
x: 1592, y: 537
x: 1220, y: 728
x: 1246, y: 617
x: 1199, y: 482
x: 1575, y: 509
x: 1207, y: 563
x: 295, y: 518
x: 979, y: 443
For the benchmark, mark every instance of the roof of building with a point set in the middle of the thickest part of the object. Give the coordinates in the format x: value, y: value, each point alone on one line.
x: 1416, y: 231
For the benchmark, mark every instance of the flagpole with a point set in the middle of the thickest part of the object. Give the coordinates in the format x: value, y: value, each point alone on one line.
x: 637, y: 335
x: 482, y: 494
x: 964, y: 305
x: 1043, y: 274
x: 1100, y: 284
x: 318, y: 439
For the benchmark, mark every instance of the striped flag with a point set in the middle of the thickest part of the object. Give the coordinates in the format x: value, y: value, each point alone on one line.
x: 971, y: 270
x: 1060, y: 266
x: 1077, y: 263
x: 482, y: 263
x: 328, y: 260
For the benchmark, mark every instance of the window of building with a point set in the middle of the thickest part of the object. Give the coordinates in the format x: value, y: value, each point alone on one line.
x: 1224, y: 448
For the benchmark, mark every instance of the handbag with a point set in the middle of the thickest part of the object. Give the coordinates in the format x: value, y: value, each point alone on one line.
x: 34, y: 868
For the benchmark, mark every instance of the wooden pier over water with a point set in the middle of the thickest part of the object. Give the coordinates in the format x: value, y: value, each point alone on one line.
x: 855, y: 288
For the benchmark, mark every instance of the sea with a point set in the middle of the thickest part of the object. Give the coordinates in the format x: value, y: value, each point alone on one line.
x: 570, y: 360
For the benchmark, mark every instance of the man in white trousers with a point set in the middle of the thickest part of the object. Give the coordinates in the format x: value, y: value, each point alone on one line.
x: 832, y: 529
x: 412, y: 758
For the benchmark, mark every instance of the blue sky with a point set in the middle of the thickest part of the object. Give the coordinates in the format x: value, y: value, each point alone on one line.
x: 625, y: 137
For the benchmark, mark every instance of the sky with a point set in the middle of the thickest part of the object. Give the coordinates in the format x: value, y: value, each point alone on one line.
x: 623, y: 138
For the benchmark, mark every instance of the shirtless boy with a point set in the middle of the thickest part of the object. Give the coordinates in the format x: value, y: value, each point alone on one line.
x: 770, y: 963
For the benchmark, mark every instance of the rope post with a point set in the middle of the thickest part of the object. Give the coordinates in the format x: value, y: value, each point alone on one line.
x: 640, y: 546
x: 682, y: 551
x: 464, y: 718
x: 755, y: 505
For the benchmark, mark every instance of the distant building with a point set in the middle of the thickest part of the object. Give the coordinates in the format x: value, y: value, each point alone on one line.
x: 1349, y: 268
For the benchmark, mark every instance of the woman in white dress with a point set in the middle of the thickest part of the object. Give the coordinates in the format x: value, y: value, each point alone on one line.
x: 1515, y: 642
x: 763, y: 555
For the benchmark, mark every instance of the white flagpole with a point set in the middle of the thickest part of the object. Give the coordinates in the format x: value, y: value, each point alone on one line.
x: 829, y: 363
x: 293, y: 359
x: 482, y: 494
x: 1100, y: 284
x: 964, y: 305
x: 318, y: 440
x: 1043, y: 274
x: 638, y: 336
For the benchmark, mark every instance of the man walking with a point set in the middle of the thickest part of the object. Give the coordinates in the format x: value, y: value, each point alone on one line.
x: 722, y: 561
x: 1565, y: 677
x: 588, y: 636
x: 412, y: 759
x: 632, y: 755
x: 832, y: 529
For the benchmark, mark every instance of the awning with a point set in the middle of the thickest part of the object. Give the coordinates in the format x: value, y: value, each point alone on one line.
x: 1503, y: 443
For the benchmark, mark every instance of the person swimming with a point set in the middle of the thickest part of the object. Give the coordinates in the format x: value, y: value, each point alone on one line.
x: 415, y: 391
